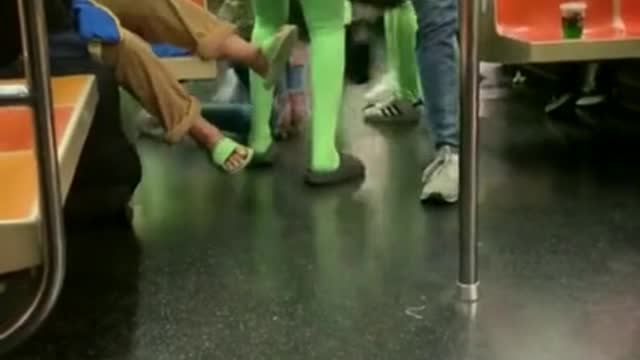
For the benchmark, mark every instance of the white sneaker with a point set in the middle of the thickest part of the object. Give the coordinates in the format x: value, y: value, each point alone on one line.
x: 441, y: 177
x: 394, y: 111
x: 383, y: 91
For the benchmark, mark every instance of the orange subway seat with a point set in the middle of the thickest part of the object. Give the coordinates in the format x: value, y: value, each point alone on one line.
x: 540, y: 20
x: 630, y: 11
x: 19, y: 185
x: 16, y: 127
x: 66, y: 90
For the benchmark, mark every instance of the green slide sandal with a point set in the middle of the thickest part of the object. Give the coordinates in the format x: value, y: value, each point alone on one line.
x: 278, y: 50
x: 224, y: 149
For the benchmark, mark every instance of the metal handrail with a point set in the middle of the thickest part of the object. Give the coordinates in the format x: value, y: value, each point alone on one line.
x: 468, y: 281
x: 36, y: 60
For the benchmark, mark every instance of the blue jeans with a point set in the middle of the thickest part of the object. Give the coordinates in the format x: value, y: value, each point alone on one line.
x: 295, y: 77
x: 291, y: 81
x: 232, y: 117
x: 437, y: 52
x: 235, y: 118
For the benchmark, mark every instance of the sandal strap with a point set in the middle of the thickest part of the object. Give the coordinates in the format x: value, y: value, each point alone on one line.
x: 223, y: 150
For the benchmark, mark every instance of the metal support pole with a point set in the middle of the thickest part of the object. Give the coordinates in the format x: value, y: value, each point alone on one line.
x: 36, y: 57
x: 468, y: 277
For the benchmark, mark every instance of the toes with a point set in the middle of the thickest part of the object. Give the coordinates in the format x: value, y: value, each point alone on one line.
x: 235, y: 160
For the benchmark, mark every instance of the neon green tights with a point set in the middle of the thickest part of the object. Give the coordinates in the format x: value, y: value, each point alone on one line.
x: 400, y: 26
x: 325, y: 20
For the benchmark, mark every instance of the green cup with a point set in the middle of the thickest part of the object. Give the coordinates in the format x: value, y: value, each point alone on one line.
x: 573, y: 14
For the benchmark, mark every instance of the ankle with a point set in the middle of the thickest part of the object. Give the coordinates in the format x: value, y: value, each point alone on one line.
x: 205, y: 134
x: 328, y: 161
x: 259, y: 63
x: 260, y: 145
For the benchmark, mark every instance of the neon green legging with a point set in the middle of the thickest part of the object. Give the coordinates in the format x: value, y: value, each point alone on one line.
x: 400, y: 32
x: 325, y: 21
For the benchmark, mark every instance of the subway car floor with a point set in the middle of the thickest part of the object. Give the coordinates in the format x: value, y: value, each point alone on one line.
x: 258, y: 266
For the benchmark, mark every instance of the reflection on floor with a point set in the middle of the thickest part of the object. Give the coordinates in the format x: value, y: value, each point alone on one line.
x: 259, y: 267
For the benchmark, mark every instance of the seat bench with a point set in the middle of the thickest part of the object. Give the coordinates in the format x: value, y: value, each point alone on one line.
x: 514, y: 31
x: 75, y: 99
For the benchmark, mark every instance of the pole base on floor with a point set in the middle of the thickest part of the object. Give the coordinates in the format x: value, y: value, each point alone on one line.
x: 468, y: 293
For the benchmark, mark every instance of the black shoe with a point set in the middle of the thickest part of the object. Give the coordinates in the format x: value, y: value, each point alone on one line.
x: 350, y: 169
x: 266, y: 159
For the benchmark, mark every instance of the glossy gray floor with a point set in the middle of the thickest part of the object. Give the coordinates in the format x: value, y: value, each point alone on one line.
x: 257, y: 266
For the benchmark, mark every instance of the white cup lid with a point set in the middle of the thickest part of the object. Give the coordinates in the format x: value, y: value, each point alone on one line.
x: 573, y: 6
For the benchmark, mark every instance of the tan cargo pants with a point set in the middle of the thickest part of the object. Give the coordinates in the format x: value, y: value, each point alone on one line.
x: 178, y: 22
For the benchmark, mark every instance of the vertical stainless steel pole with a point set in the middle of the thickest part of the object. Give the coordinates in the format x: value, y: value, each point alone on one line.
x: 469, y: 37
x: 36, y: 56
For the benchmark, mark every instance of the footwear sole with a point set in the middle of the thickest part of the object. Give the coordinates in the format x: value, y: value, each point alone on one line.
x: 265, y: 160
x: 407, y: 120
x: 351, y: 169
x: 278, y: 65
x: 438, y: 199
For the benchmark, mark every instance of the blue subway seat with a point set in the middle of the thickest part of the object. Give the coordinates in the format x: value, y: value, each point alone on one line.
x: 94, y: 23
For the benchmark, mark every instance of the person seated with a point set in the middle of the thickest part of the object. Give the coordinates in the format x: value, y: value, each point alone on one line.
x: 186, y: 25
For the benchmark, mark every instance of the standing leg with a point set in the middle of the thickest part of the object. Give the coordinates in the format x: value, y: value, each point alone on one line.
x: 296, y: 94
x: 400, y: 31
x: 296, y: 83
x: 269, y: 16
x: 437, y: 53
x: 325, y: 19
x: 401, y: 102
x: 282, y: 108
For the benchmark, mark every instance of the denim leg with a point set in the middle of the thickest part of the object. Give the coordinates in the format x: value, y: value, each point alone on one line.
x: 295, y: 78
x: 235, y: 118
x: 437, y: 52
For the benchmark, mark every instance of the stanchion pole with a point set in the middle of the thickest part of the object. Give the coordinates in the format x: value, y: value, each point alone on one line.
x: 468, y: 257
x: 36, y: 54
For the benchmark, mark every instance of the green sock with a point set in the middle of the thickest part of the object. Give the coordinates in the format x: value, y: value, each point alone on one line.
x: 327, y: 71
x: 262, y: 100
x: 269, y: 16
x: 325, y: 20
x: 400, y: 30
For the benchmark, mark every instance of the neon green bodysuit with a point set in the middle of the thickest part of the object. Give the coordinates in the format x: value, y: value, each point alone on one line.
x: 325, y: 21
x: 400, y: 33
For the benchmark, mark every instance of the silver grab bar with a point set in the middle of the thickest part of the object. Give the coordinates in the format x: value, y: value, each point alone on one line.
x: 468, y: 282
x: 36, y: 59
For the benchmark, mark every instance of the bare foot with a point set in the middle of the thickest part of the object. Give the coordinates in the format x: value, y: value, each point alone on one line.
x: 235, y: 160
x: 208, y: 136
